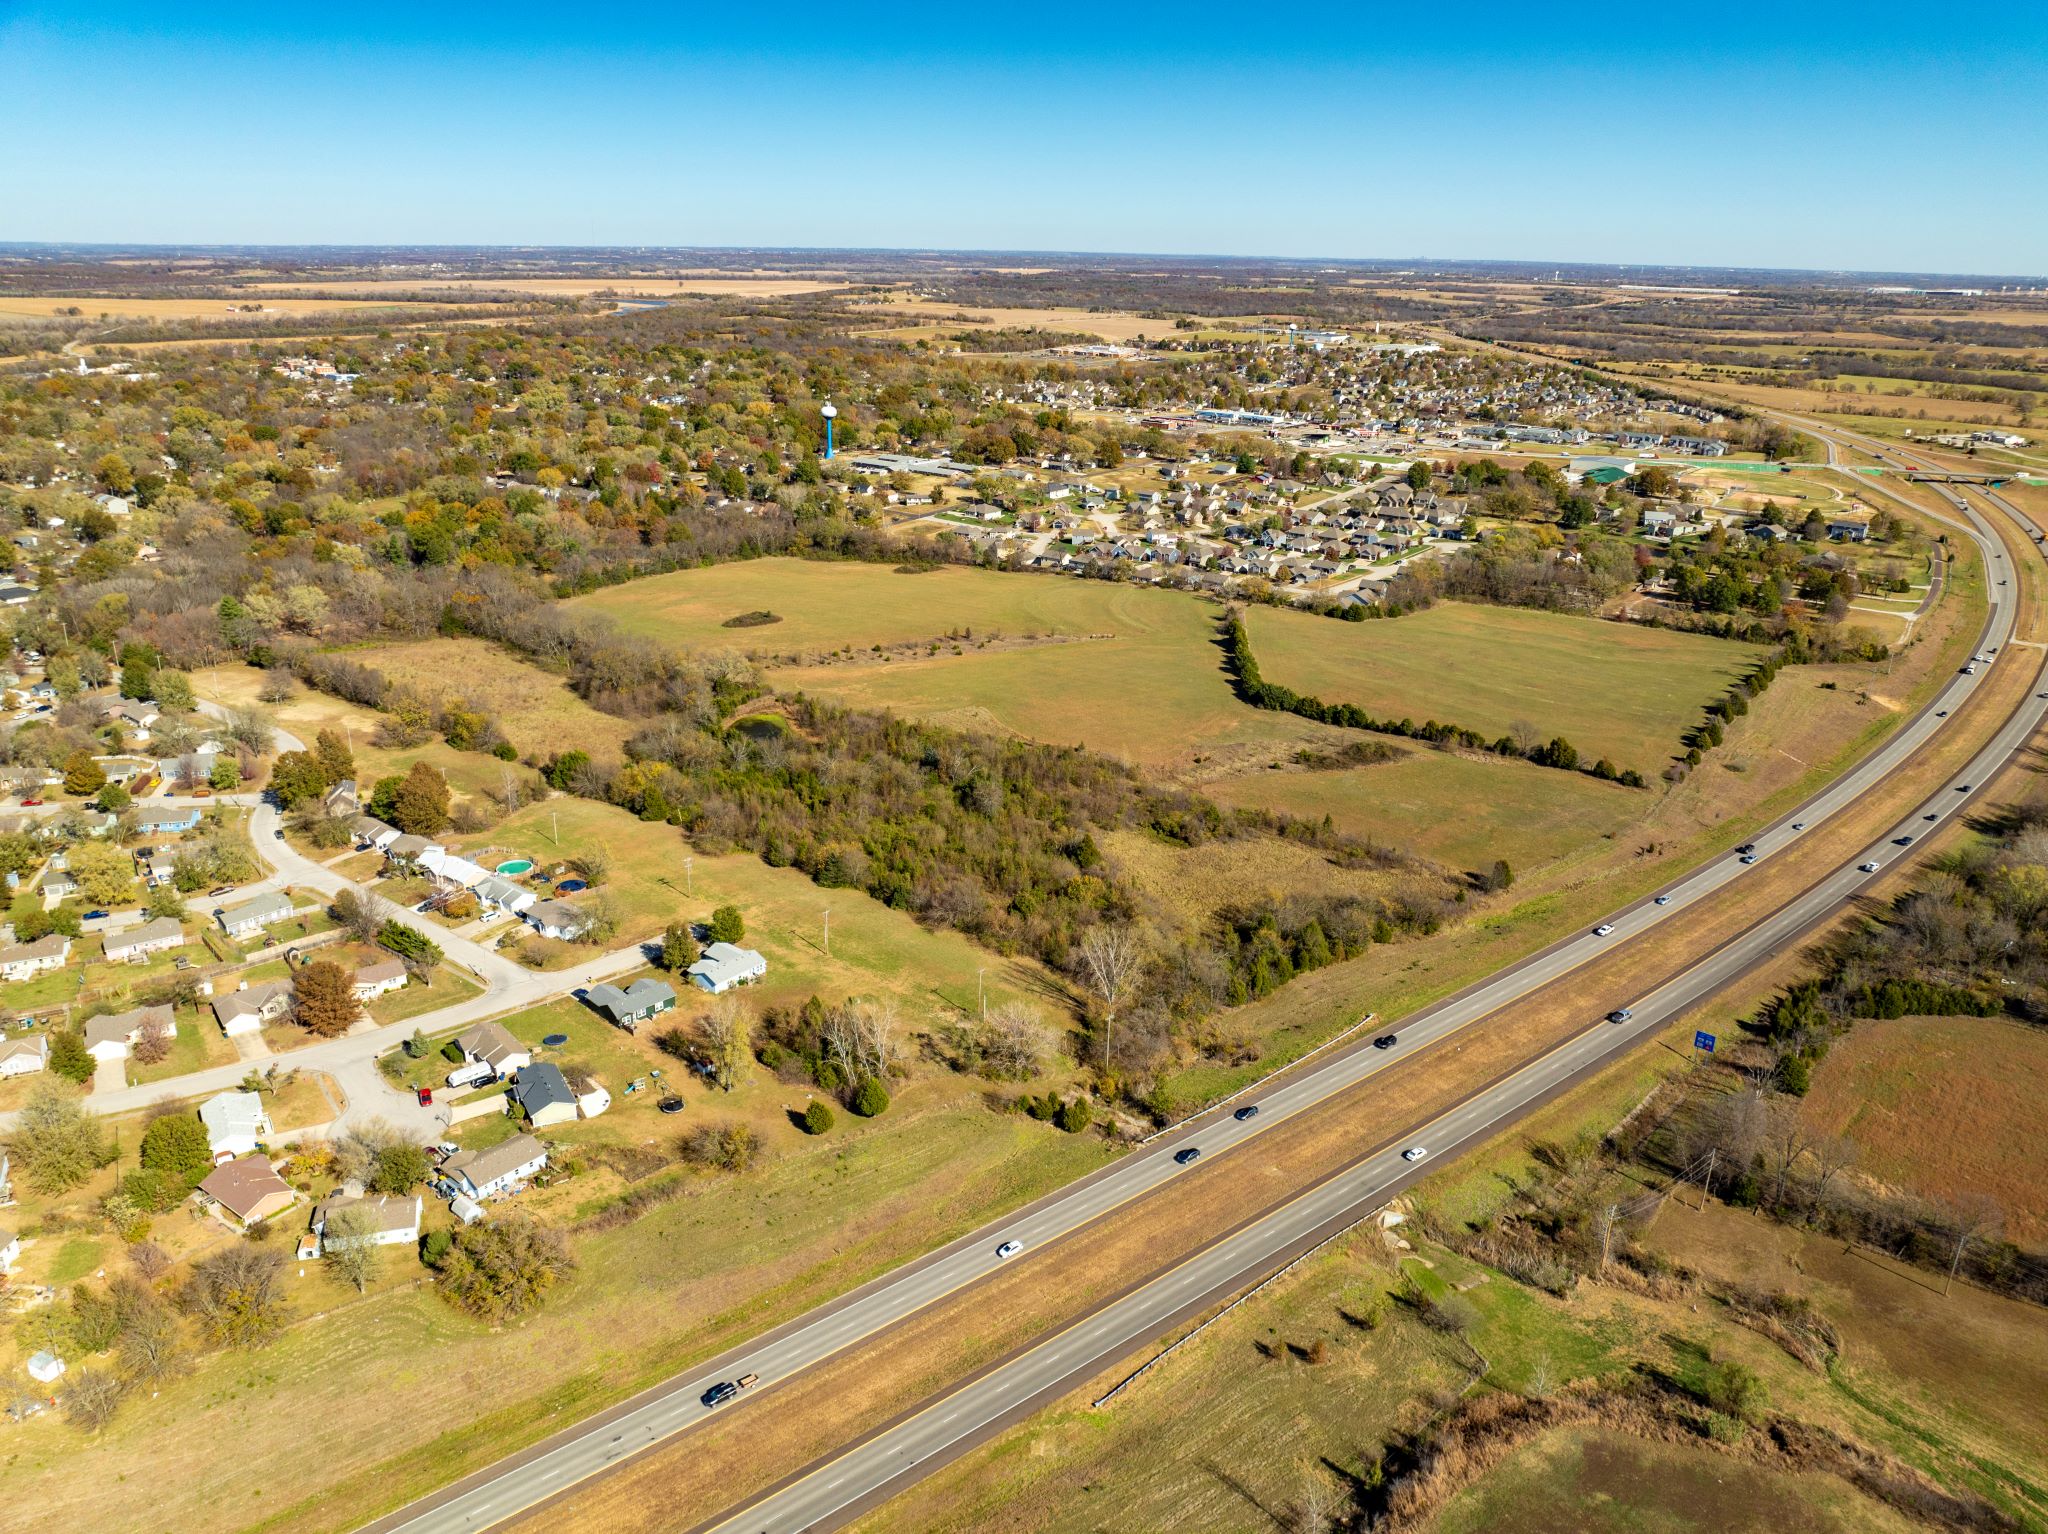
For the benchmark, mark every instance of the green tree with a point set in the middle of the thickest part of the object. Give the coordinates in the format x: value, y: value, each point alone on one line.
x: 336, y: 758
x: 135, y: 678
x: 384, y: 799
x: 1418, y: 476
x: 678, y: 948
x: 297, y: 778
x: 502, y: 1268
x: 225, y: 776
x: 817, y: 1118
x: 727, y: 925
x: 422, y: 803
x: 82, y: 775
x: 399, y: 1168
x: 870, y: 1098
x: 176, y: 1145
x: 172, y: 690
x: 113, y: 473
x: 68, y: 1057
x: 56, y: 1144
x: 114, y: 799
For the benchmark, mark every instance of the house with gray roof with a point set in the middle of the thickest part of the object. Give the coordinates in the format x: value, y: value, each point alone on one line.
x: 725, y: 965
x: 254, y: 915
x: 114, y: 1035
x: 496, y: 1169
x: 635, y: 1004
x: 138, y: 943
x: 542, y: 1093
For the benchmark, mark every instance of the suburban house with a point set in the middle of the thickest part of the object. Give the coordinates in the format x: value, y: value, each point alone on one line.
x: 449, y: 871
x: 501, y: 894
x: 628, y: 1008
x: 157, y: 865
x: 379, y: 979
x: 373, y: 833
x: 482, y: 1174
x: 556, y: 918
x: 113, y: 1036
x: 405, y: 847
x: 249, y: 1189
x: 394, y: 1220
x: 542, y: 1093
x: 22, y: 1057
x: 58, y: 885
x: 167, y: 821
x: 25, y: 959
x: 236, y: 1122
x: 495, y: 1047
x: 249, y: 1008
x: 255, y: 915
x: 1848, y: 532
x: 138, y: 943
x: 341, y: 799
x: 725, y: 965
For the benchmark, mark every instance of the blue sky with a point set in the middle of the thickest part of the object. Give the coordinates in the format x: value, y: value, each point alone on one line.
x: 1798, y: 134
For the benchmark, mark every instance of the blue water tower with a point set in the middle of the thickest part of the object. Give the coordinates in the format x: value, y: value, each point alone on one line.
x: 830, y: 413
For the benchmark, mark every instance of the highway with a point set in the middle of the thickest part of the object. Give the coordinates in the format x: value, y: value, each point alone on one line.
x: 867, y: 1471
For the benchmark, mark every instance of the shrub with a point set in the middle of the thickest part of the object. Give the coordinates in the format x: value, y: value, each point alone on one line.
x: 1075, y: 1115
x: 727, y: 1147
x: 870, y: 1098
x: 452, y: 1052
x: 727, y: 925
x: 177, y: 1146
x: 817, y: 1118
x: 435, y: 1246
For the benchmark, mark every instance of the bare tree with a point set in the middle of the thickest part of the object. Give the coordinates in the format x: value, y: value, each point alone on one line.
x: 1111, y: 961
x: 1014, y: 1043
x: 728, y: 1039
x: 347, y: 1245
x: 1832, y: 1156
x: 1973, y: 1217
x: 860, y: 1037
x: 362, y: 913
x: 1788, y: 1139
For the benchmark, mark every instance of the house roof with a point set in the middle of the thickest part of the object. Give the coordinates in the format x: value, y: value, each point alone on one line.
x: 556, y: 913
x: 408, y: 846
x: 233, y: 1113
x: 264, y: 908
x: 541, y: 1085
x: 54, y: 946
x: 36, y: 1047
x: 149, y: 932
x: 249, y: 999
x: 490, y: 1043
x: 723, y: 962
x: 241, y: 1186
x: 381, y: 971
x: 124, y: 1026
x: 367, y: 826
x: 486, y: 1166
x: 642, y: 994
x: 387, y: 1211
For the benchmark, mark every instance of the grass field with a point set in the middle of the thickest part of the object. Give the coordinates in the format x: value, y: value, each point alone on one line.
x: 710, y: 285
x: 1598, y: 1481
x: 537, y: 710
x: 1613, y: 690
x: 1945, y: 1106
x: 225, y: 307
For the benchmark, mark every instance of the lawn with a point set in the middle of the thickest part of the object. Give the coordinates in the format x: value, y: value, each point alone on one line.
x: 1944, y: 1107
x: 200, y: 1044
x: 1612, y: 689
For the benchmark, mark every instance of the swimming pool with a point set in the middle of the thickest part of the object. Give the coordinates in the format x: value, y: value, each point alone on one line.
x: 516, y: 866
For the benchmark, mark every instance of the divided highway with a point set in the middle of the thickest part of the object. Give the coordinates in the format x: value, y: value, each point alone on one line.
x: 868, y: 1471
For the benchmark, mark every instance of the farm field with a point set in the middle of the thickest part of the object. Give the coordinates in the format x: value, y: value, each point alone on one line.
x: 928, y: 317
x: 717, y: 284
x: 226, y: 306
x: 537, y: 709
x: 1612, y: 689
x: 1902, y: 1088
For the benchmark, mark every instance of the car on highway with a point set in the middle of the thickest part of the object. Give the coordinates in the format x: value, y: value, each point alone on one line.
x: 1385, y: 1041
x: 1964, y: 788
x: 1748, y: 858
x: 1603, y: 929
x: 1251, y: 1111
x: 1415, y: 1153
x: 1799, y: 825
x: 1942, y: 713
x: 722, y: 1392
x: 1620, y: 1015
x: 1009, y: 1249
x: 1902, y: 841
x: 1933, y: 816
x: 1746, y: 847
x: 1867, y: 868
x: 1183, y: 1157
x: 1662, y: 900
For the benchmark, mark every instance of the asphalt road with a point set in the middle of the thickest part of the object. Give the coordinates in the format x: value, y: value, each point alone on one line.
x: 866, y: 1472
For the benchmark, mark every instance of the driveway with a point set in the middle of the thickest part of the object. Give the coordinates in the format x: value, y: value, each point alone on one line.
x: 110, y: 1077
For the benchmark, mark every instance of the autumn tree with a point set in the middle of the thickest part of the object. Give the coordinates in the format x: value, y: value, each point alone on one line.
x: 324, y: 998
x: 56, y: 1143
x: 236, y: 1293
x: 728, y: 1040
x: 502, y: 1268
x: 421, y: 805
x: 82, y: 775
x: 334, y: 755
x: 297, y: 778
x: 105, y: 873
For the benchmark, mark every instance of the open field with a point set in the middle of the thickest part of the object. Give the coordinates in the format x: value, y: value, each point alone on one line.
x: 930, y: 318
x: 224, y: 307
x: 538, y: 711
x: 715, y: 285
x: 1612, y: 689
x: 1901, y: 1089
x: 1598, y: 1481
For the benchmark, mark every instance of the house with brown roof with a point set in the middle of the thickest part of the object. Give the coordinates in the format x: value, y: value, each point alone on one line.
x: 495, y: 1046
x: 249, y: 1190
x: 381, y: 978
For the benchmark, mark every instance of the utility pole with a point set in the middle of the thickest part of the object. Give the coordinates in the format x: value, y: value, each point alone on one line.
x: 555, y: 820
x: 981, y: 995
x: 1607, y: 1233
x: 1707, y: 1182
x: 689, y: 882
x: 828, y: 932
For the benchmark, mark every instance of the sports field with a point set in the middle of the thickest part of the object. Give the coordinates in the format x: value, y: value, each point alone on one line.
x: 1613, y: 690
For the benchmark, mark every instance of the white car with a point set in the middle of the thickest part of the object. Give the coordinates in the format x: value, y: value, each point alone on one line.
x: 1603, y: 929
x: 1414, y: 1153
x: 1009, y: 1249
x: 1868, y: 868
x: 1662, y: 900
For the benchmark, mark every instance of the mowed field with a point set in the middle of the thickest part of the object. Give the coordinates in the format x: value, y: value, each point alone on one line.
x: 1612, y: 689
x: 536, y: 708
x: 1900, y: 1088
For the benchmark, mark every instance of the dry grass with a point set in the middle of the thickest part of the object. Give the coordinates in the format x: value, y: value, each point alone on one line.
x: 1945, y: 1106
x: 622, y: 286
x: 538, y: 711
x: 226, y: 307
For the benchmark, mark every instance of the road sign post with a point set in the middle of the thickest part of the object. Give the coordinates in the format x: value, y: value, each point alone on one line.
x: 1702, y: 1043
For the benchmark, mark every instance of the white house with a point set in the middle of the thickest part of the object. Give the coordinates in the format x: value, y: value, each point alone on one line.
x: 45, y: 1368
x: 10, y: 1250
x: 254, y: 915
x: 494, y: 1045
x: 249, y: 1008
x: 138, y: 943
x: 725, y: 965
x: 24, y: 960
x: 481, y: 1174
x: 235, y: 1123
x: 380, y: 979
x: 113, y: 1036
x: 22, y: 1057
x: 394, y: 1220
x: 453, y: 872
x: 499, y: 893
x: 556, y: 918
x: 373, y: 833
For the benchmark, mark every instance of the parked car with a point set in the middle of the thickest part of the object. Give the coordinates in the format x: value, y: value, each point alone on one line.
x: 101, y: 915
x: 426, y: 1095
x: 1183, y: 1157
x: 1251, y: 1111
x: 29, y: 804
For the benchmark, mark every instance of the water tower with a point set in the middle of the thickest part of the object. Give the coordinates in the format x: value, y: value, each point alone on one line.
x: 830, y: 413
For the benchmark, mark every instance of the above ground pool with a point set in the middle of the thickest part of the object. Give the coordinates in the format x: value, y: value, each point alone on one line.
x: 516, y: 866
x: 571, y: 886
